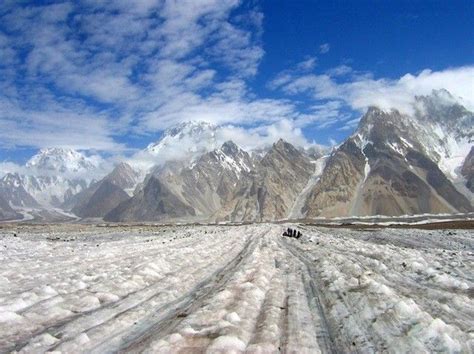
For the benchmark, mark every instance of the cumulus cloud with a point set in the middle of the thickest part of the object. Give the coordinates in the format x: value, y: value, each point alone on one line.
x: 190, y: 146
x: 86, y: 74
x: 360, y: 91
x: 265, y: 135
x: 54, y: 125
x: 11, y: 167
x: 81, y: 73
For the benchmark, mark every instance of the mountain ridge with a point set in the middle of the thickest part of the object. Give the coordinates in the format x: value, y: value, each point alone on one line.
x: 393, y: 164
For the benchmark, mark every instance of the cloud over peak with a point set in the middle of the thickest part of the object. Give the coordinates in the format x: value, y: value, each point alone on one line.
x: 91, y: 74
x: 358, y: 91
x: 109, y: 66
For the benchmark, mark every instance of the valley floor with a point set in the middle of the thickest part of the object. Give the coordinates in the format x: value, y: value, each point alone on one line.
x: 235, y: 288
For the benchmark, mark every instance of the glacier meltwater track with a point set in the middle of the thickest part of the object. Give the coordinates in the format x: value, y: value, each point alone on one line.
x: 214, y: 289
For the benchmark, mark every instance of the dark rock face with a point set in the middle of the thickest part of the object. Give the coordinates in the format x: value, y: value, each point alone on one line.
x: 270, y: 191
x: 123, y: 176
x: 224, y: 184
x: 338, y: 183
x: 105, y: 198
x: 387, y: 168
x: 468, y: 170
x: 101, y: 197
x: 12, y: 190
x: 153, y: 202
x: 79, y: 200
x: 7, y: 212
x: 439, y: 182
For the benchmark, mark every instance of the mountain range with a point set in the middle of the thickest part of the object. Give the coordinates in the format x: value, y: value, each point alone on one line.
x: 395, y: 163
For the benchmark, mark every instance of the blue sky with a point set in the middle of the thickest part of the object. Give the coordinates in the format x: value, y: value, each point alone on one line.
x: 108, y: 76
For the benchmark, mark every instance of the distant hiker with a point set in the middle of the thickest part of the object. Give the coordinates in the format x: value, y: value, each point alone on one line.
x: 292, y: 233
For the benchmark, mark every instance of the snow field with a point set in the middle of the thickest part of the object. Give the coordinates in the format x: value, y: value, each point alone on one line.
x: 214, y: 289
x: 102, y: 286
x: 251, y: 312
x: 414, y: 297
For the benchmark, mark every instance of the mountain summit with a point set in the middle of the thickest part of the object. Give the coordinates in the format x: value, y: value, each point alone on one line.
x: 61, y: 160
x: 50, y: 178
x: 186, y: 140
x: 396, y: 164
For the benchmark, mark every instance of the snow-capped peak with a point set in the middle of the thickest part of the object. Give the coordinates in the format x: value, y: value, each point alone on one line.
x: 232, y: 157
x: 440, y: 128
x: 11, y: 180
x: 194, y: 135
x: 61, y: 160
x: 190, y: 128
x: 184, y: 142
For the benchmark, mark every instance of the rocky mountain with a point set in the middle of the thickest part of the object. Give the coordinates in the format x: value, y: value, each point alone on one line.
x: 467, y: 170
x: 210, y: 182
x: 50, y: 178
x: 224, y: 184
x: 7, y: 212
x: 12, y: 189
x: 101, y: 197
x: 124, y: 177
x: 444, y: 130
x: 419, y: 160
x: 184, y: 142
x: 394, y: 164
x: 203, y: 187
x: 106, y: 197
x: 154, y: 202
x: 272, y: 188
x: 398, y: 164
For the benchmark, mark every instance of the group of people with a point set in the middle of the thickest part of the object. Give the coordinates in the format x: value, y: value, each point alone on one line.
x: 292, y: 233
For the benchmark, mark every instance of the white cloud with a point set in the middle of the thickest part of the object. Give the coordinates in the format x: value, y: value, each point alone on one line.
x: 98, y: 69
x: 361, y: 91
x: 187, y: 146
x: 306, y: 65
x: 324, y: 48
x: 340, y: 70
x: 54, y: 126
x: 79, y: 74
x: 11, y: 167
x: 265, y: 135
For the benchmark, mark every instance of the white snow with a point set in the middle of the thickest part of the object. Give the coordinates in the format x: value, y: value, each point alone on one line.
x: 47, y: 187
x: 187, y: 141
x: 232, y: 163
x: 406, y: 142
x: 60, y: 160
x: 366, y: 168
x: 443, y: 147
x: 396, y: 148
x: 79, y: 288
x: 296, y: 210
